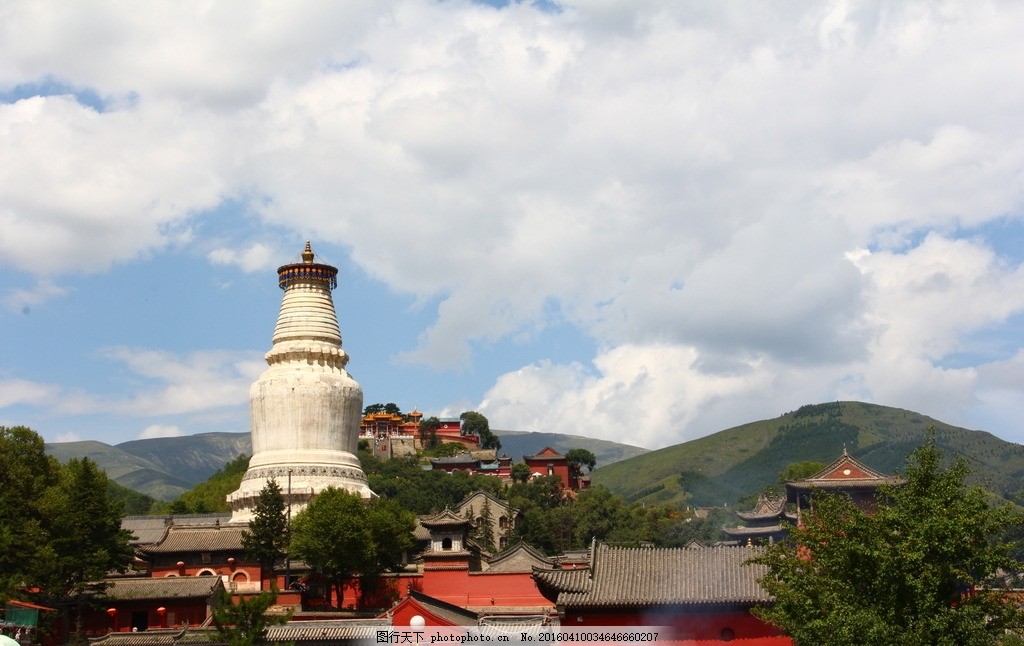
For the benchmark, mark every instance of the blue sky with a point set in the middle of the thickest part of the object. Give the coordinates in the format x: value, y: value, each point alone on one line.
x: 643, y: 222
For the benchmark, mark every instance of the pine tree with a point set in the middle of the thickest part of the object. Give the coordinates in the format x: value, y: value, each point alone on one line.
x: 245, y: 622
x: 267, y: 537
x: 485, y: 530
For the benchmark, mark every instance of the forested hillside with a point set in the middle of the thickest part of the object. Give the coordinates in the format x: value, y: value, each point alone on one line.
x: 732, y: 464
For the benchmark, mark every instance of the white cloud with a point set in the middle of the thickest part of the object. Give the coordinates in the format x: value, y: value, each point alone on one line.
x: 258, y: 256
x: 67, y: 437
x: 160, y: 430
x: 686, y: 184
x: 171, y: 384
x: 14, y: 392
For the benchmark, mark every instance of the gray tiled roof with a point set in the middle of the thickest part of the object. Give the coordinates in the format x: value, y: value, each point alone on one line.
x: 632, y: 577
x: 198, y: 539
x: 446, y: 518
x: 314, y: 631
x: 576, y: 580
x: 145, y: 529
x: 150, y: 529
x: 763, y: 530
x: 519, y: 558
x: 156, y: 637
x: 766, y: 508
x: 174, y: 587
x: 362, y: 631
x: 461, y: 458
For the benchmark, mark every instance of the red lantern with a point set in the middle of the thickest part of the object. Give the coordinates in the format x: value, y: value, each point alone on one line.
x: 112, y: 612
x: 231, y: 562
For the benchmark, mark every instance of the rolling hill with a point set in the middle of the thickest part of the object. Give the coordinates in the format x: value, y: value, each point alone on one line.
x: 737, y: 462
x: 164, y: 468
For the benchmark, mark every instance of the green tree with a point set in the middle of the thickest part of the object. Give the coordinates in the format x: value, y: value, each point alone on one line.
x: 392, y: 528
x: 579, y: 458
x: 800, y: 470
x: 483, y: 530
x: 26, y: 472
x: 912, y: 572
x: 211, y: 496
x: 245, y: 622
x: 266, y: 538
x: 84, y: 526
x: 135, y: 503
x: 343, y: 537
x: 595, y: 514
x: 428, y: 432
x: 390, y: 408
x: 520, y: 472
x: 473, y: 423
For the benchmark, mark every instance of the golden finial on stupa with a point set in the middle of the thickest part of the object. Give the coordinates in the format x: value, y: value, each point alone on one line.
x: 307, y: 255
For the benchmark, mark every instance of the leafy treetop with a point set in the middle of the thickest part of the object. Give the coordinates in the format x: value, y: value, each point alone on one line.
x: 390, y: 408
x: 473, y: 423
x: 916, y: 570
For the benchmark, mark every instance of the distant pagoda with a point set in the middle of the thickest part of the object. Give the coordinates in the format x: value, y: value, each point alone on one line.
x: 305, y: 408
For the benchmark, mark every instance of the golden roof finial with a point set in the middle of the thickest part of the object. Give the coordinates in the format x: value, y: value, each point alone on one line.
x: 307, y: 255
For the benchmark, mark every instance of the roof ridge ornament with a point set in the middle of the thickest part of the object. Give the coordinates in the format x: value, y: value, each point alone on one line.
x: 307, y: 254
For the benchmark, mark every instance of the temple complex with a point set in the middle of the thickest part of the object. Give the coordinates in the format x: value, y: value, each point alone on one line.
x: 305, y: 408
x: 846, y: 475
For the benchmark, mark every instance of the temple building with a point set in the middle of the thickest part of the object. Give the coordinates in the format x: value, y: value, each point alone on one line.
x: 305, y: 408
x: 696, y: 596
x: 846, y: 475
x: 763, y: 523
x: 549, y: 462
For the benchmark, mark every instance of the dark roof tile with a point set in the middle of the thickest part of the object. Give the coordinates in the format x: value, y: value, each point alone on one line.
x: 632, y: 577
x: 173, y: 587
x: 198, y: 539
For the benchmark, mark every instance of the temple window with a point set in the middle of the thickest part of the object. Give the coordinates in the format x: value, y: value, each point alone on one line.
x: 446, y: 544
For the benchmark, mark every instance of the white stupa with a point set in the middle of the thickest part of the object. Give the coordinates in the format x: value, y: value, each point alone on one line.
x: 305, y: 408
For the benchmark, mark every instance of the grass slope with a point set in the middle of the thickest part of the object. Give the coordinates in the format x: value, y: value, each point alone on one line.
x: 734, y: 463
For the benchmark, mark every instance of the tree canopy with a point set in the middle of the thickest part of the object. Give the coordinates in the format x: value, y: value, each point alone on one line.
x: 800, y: 470
x: 245, y: 622
x: 342, y: 536
x: 473, y: 423
x: 266, y: 538
x: 390, y: 408
x: 428, y: 432
x: 579, y: 458
x: 211, y: 496
x: 59, y: 529
x: 916, y: 570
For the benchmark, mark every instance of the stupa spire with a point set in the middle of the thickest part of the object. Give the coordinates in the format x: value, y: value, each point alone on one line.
x: 305, y: 408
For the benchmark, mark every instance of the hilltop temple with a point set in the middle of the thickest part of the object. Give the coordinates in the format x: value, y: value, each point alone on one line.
x: 305, y: 408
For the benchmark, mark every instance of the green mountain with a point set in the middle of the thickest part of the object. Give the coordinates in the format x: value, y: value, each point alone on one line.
x: 737, y: 462
x: 520, y: 443
x: 166, y: 467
